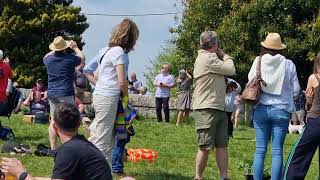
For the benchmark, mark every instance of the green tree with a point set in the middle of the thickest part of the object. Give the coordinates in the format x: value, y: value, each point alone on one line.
x: 241, y: 26
x: 26, y: 29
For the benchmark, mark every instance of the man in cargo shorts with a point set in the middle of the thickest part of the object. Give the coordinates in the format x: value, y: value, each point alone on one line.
x: 210, y: 70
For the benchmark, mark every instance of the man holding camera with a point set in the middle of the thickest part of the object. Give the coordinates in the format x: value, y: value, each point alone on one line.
x: 163, y: 82
x: 210, y: 69
x: 134, y: 84
x: 61, y: 69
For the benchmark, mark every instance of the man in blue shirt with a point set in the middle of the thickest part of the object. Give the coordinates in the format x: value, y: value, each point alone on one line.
x: 61, y: 69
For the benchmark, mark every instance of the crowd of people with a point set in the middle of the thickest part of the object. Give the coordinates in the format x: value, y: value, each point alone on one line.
x: 216, y: 104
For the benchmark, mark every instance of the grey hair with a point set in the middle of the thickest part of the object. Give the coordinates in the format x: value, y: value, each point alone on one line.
x: 208, y: 39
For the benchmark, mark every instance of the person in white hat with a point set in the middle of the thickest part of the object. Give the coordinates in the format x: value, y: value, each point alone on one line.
x: 273, y: 112
x: 61, y: 69
x: 5, y: 75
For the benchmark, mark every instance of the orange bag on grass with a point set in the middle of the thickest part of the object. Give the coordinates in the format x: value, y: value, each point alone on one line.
x: 136, y: 155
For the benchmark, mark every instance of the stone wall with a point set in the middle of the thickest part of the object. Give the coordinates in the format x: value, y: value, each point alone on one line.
x: 144, y: 104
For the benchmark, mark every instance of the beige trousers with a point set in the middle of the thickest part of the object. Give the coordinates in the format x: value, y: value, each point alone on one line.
x: 102, y: 127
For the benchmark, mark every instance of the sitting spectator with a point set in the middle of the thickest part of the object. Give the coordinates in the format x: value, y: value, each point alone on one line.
x: 134, y: 84
x: 37, y: 99
x: 76, y: 158
x: 143, y: 91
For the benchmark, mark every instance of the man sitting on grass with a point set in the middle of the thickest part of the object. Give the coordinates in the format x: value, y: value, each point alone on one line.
x: 76, y: 158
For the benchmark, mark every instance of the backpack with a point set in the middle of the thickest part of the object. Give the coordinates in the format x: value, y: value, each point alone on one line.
x: 252, y: 91
x: 11, y: 104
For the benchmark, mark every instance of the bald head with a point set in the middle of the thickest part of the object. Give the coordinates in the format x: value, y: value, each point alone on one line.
x: 165, y: 68
x: 133, y: 76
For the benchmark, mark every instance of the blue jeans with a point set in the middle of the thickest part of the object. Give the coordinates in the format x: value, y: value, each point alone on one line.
x: 117, y: 155
x: 269, y: 122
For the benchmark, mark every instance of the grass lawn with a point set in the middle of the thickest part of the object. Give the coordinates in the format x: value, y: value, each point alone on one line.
x: 176, y: 148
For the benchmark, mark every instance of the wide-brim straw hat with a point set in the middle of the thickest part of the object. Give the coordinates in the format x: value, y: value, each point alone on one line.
x: 59, y: 44
x: 273, y: 41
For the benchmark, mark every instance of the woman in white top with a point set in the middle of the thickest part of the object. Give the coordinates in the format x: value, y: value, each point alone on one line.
x: 111, y: 64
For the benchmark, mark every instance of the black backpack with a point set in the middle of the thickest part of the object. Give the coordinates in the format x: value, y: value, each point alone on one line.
x: 12, y: 103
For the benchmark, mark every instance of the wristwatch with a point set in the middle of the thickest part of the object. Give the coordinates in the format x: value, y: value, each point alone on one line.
x: 23, y: 175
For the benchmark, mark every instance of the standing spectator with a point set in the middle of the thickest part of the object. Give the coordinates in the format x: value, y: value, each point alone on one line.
x: 76, y: 158
x: 20, y: 96
x: 5, y: 74
x: 273, y: 111
x: 61, y: 69
x: 303, y: 151
x: 210, y: 69
x: 134, y: 84
x: 163, y: 82
x: 233, y: 89
x: 184, y: 99
x: 108, y: 72
x: 239, y: 107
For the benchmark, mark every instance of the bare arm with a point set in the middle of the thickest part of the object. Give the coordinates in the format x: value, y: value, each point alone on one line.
x: 74, y: 46
x: 310, y: 91
x: 123, y: 83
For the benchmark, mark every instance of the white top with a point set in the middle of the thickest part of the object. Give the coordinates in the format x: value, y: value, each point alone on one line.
x: 273, y: 70
x: 107, y: 84
x: 162, y: 92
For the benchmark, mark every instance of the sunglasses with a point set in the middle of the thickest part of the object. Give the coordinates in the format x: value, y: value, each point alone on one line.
x: 162, y: 67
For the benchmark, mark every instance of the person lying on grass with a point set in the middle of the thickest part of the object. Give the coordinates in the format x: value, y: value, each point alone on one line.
x: 76, y: 158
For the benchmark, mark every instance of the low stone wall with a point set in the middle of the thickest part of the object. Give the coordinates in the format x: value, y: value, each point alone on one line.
x: 144, y: 104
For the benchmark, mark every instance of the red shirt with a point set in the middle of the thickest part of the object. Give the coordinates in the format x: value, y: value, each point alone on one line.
x: 5, y: 74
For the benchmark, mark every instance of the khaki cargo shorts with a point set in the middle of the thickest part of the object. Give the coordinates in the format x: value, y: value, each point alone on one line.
x: 211, y: 128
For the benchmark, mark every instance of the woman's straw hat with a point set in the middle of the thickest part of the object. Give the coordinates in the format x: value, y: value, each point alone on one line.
x: 59, y: 44
x: 273, y: 41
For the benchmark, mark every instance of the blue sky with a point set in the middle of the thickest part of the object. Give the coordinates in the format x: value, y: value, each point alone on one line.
x: 154, y: 30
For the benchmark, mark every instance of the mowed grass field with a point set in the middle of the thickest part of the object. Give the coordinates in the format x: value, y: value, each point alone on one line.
x: 176, y: 148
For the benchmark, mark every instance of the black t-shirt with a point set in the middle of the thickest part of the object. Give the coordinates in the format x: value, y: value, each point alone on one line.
x: 79, y: 159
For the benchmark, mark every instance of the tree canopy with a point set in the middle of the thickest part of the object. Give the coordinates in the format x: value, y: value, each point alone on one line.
x: 241, y: 26
x: 28, y: 26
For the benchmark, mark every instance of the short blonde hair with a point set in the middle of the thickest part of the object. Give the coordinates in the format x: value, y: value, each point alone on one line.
x: 124, y: 35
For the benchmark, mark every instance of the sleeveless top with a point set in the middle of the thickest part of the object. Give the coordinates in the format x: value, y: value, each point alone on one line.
x: 314, y: 111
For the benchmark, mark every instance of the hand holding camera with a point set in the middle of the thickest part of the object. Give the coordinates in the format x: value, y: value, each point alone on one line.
x: 73, y: 45
x: 220, y: 53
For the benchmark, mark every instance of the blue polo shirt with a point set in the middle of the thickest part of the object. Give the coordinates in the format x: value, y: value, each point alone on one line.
x: 61, y: 69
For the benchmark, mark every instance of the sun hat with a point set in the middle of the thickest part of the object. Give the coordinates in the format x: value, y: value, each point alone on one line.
x: 59, y: 44
x: 273, y: 41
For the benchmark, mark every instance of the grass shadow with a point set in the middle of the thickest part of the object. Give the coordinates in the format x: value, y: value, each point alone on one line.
x: 160, y: 176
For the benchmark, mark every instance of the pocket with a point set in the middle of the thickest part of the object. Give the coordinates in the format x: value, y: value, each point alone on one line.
x: 203, y: 119
x: 203, y: 137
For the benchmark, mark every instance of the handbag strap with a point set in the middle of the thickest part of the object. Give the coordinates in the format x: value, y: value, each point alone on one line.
x: 258, y: 68
x: 104, y: 54
x: 258, y: 72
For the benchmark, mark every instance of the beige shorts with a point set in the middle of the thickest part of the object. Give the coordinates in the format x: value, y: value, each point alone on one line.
x: 212, y: 128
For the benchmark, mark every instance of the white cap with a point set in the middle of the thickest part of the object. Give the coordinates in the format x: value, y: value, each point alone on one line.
x: 1, y: 55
